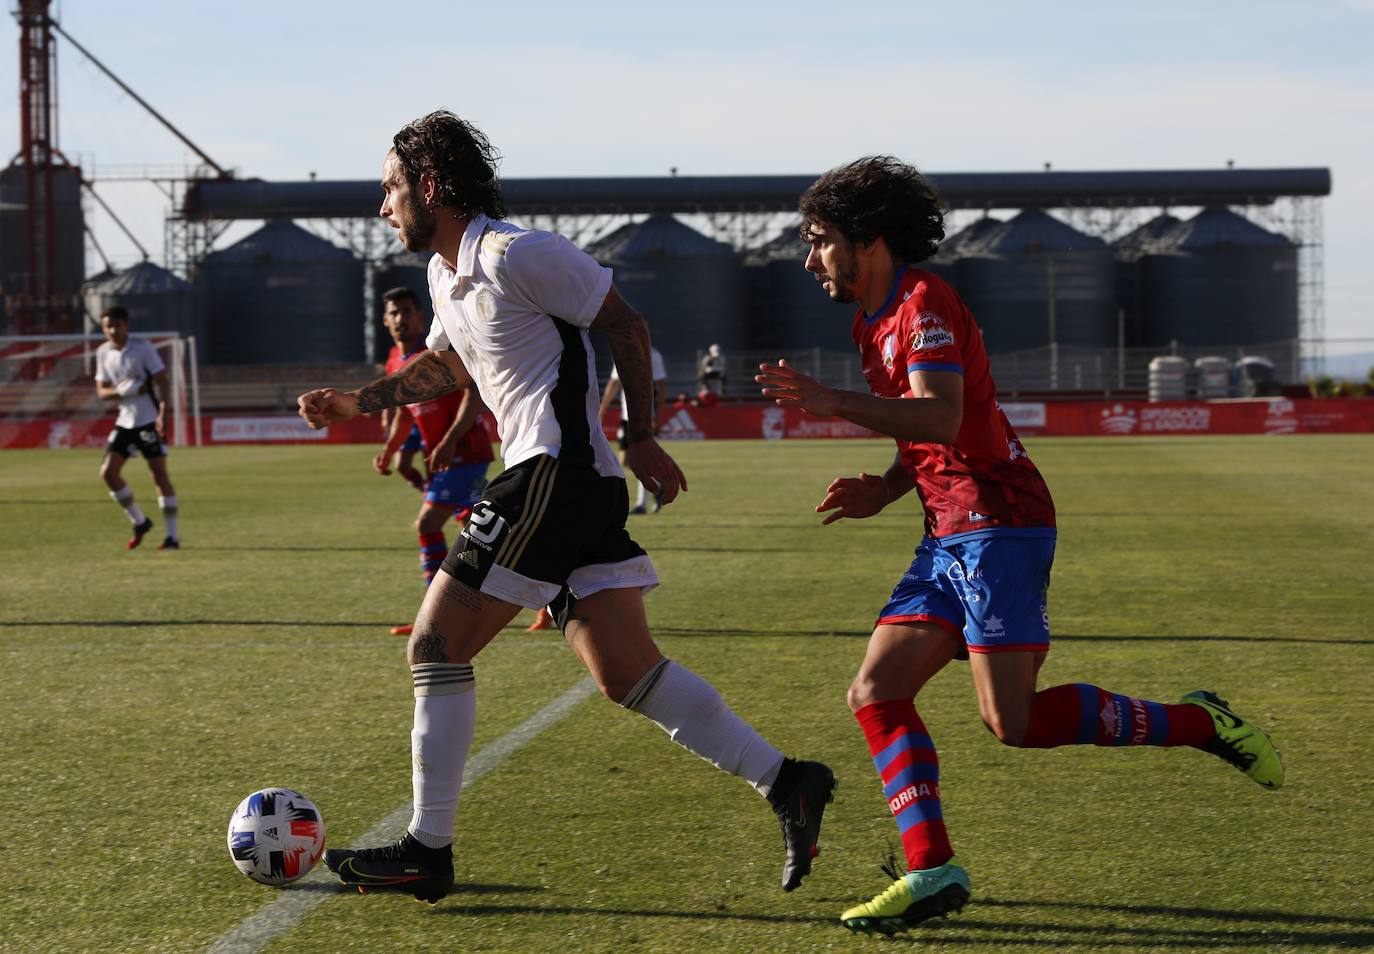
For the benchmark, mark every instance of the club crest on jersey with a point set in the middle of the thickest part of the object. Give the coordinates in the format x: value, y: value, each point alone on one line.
x: 930, y: 333
x: 889, y: 350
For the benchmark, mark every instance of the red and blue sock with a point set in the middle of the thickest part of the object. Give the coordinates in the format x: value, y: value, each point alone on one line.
x: 1080, y: 714
x: 433, y: 549
x: 906, y: 761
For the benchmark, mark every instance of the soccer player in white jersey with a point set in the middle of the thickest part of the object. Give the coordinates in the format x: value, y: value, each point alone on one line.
x: 659, y: 372
x: 512, y: 312
x: 129, y: 371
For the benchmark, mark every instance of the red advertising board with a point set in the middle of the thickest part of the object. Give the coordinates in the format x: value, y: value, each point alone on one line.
x: 744, y: 421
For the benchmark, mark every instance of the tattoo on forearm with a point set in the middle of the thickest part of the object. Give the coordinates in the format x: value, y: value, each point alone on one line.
x: 631, y: 353
x: 421, y: 379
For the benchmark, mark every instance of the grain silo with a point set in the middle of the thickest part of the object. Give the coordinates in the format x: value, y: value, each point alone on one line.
x: 1219, y: 279
x: 155, y: 299
x: 688, y: 286
x: 68, y: 235
x: 945, y: 262
x: 1033, y: 272
x: 788, y: 309
x: 283, y: 296
x: 1128, y: 250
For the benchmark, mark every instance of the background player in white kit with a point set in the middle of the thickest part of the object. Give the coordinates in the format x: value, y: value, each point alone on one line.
x: 129, y: 370
x: 512, y: 310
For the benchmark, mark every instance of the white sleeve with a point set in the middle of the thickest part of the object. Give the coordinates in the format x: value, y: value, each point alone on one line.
x: 152, y: 361
x: 556, y: 276
x: 660, y: 371
x: 615, y: 373
x: 437, y: 339
x: 101, y: 375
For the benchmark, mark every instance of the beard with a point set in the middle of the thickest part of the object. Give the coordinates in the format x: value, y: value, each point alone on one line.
x: 842, y: 282
x: 418, y: 234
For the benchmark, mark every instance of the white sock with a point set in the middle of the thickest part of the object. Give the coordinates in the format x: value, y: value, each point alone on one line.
x: 693, y: 714
x: 168, y: 506
x: 642, y: 498
x: 124, y: 496
x: 445, y: 715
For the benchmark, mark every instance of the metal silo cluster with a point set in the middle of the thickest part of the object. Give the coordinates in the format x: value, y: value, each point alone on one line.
x: 283, y: 295
x: 155, y: 299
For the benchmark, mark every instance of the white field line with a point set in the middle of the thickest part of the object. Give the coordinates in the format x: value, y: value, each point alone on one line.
x: 252, y: 934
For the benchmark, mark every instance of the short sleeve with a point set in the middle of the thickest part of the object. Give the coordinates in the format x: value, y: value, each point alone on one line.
x: 437, y: 339
x: 931, y: 334
x: 556, y: 277
x: 152, y: 361
x: 615, y: 373
x: 660, y: 371
x: 101, y: 375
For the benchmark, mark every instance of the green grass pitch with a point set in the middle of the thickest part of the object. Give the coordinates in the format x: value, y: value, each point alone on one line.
x: 145, y: 693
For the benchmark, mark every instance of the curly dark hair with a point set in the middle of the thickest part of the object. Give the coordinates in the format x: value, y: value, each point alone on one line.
x: 459, y: 156
x: 877, y: 197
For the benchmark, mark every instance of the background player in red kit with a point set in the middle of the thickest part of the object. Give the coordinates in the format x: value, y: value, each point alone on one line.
x: 456, y: 442
x: 976, y: 588
x: 398, y: 305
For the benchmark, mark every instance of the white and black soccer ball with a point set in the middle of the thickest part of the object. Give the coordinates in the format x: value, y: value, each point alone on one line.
x: 275, y: 836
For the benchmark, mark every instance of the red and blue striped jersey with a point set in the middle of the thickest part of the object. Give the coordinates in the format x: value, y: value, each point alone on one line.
x: 984, y: 482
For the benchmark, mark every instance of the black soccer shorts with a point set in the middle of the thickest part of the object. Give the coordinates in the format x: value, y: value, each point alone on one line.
x: 545, y: 524
x: 125, y: 440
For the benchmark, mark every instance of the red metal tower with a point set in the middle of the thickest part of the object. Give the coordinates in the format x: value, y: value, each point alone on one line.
x: 42, y: 306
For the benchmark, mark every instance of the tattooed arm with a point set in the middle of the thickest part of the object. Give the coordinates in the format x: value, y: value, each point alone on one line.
x: 629, y: 337
x: 422, y: 378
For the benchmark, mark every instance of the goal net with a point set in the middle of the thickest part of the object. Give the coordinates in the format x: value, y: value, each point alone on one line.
x: 48, y: 396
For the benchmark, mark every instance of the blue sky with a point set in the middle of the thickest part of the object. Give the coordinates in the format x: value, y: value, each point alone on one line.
x: 280, y: 90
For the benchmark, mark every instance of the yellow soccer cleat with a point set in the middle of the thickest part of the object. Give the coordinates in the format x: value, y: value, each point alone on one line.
x: 1241, y: 743
x: 911, y: 899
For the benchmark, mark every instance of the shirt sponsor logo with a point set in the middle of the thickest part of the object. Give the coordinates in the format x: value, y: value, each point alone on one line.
x: 931, y: 333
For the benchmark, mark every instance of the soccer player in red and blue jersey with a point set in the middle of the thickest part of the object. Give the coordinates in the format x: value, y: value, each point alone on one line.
x: 976, y: 589
x: 451, y: 431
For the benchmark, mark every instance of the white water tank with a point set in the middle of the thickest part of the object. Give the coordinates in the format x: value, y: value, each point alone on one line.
x: 1168, y: 378
x: 1213, y: 377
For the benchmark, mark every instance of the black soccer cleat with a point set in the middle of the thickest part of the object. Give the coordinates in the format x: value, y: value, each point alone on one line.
x: 170, y: 543
x: 140, y: 532
x: 802, y: 791
x: 407, y: 866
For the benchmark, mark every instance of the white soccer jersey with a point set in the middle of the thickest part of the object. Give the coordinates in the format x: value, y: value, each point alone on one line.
x: 127, y: 370
x: 516, y: 311
x: 659, y: 371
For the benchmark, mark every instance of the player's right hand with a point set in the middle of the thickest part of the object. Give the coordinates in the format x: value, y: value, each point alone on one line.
x: 854, y: 497
x: 325, y: 406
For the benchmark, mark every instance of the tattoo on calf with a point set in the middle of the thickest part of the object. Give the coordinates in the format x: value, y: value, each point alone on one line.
x: 429, y: 648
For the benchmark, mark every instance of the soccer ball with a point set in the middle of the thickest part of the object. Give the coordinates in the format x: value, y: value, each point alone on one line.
x: 276, y: 836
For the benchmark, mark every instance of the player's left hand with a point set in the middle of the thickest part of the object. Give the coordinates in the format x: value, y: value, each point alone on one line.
x: 788, y: 387
x: 656, y: 470
x: 439, y: 459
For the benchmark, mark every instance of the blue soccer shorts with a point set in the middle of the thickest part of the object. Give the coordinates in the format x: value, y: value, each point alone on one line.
x: 413, y: 443
x: 990, y: 591
x: 458, y: 486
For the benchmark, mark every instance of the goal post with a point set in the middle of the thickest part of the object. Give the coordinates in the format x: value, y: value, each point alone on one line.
x: 51, y: 378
